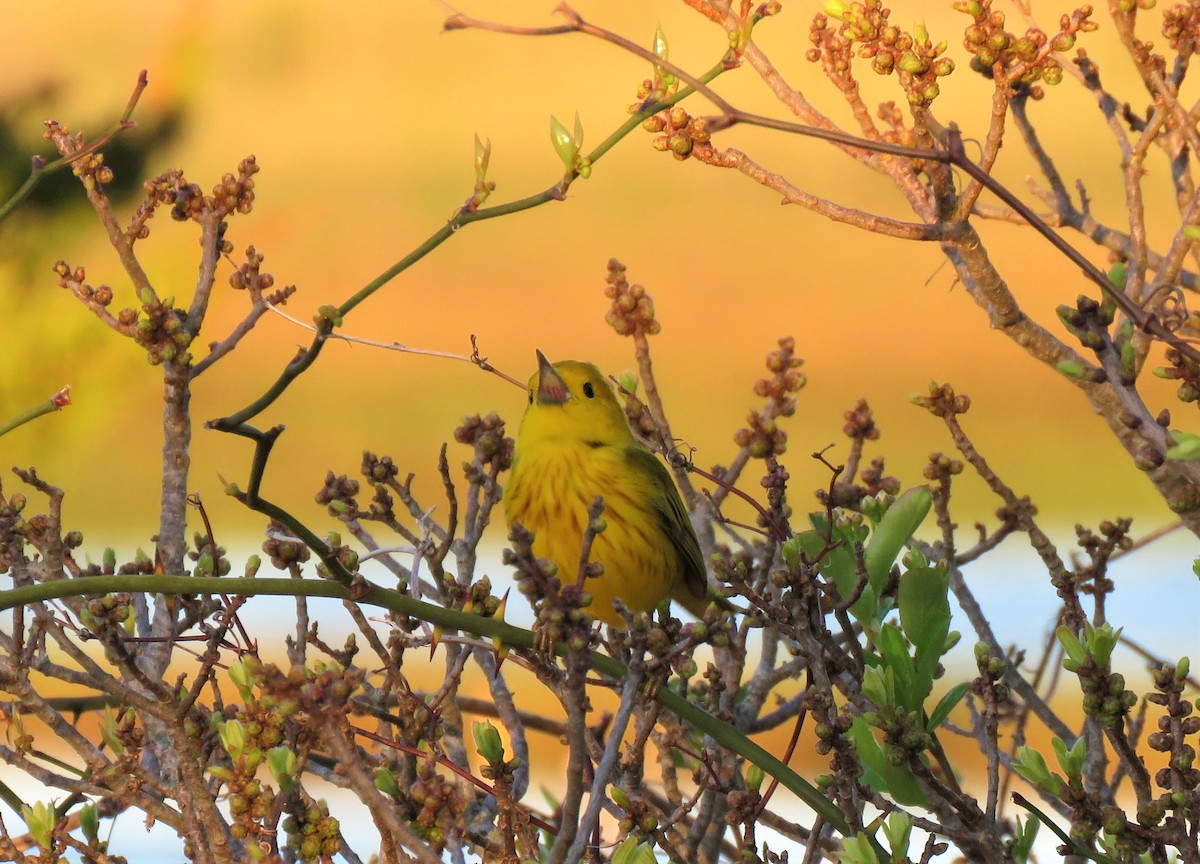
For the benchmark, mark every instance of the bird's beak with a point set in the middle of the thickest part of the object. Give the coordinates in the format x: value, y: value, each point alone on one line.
x: 552, y: 390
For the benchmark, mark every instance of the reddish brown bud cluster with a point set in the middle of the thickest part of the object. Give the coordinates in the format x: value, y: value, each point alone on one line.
x: 762, y: 436
x: 560, y: 608
x: 1184, y: 370
x: 250, y: 277
x: 283, y: 553
x: 88, y: 166
x: 678, y: 131
x: 917, y: 62
x: 632, y: 310
x: 860, y: 422
x: 941, y: 467
x: 1011, y: 59
x: 381, y: 473
x: 486, y: 435
x: 337, y: 494
x: 943, y: 402
x: 433, y: 806
x: 1181, y: 28
x: 74, y: 281
x: 161, y: 190
x: 234, y: 194
x: 786, y: 379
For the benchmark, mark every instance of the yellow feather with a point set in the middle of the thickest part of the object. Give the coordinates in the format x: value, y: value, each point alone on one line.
x: 575, y: 443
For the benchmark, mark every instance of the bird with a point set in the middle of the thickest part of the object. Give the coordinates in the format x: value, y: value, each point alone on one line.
x: 575, y: 443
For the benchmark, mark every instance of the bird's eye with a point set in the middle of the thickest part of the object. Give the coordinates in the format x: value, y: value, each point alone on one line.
x: 530, y: 395
x: 588, y: 390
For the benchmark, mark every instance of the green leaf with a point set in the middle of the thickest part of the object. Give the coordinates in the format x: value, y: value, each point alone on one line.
x: 1117, y: 274
x: 487, y: 739
x: 89, y: 821
x: 1023, y: 841
x: 1071, y: 644
x: 1030, y: 765
x: 385, y: 782
x: 634, y: 851
x: 1185, y: 446
x: 564, y: 144
x: 233, y: 738
x: 878, y: 686
x: 40, y: 819
x: 925, y: 617
x: 947, y: 704
x: 898, y: 830
x: 839, y: 568
x: 879, y: 774
x: 1071, y: 761
x: 897, y: 662
x: 1101, y: 641
x: 896, y: 528
x: 1075, y: 369
x: 483, y: 155
x: 281, y: 762
x: 857, y: 850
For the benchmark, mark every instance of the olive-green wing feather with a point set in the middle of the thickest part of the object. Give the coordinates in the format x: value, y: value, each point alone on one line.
x: 672, y: 518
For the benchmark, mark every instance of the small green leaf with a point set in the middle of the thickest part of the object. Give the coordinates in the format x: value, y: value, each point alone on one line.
x: 895, y: 529
x: 578, y: 137
x: 1071, y: 645
x: 89, y: 821
x: 898, y: 663
x: 233, y: 738
x: 1030, y: 765
x: 1023, y: 842
x: 1185, y: 446
x: 240, y: 676
x: 1075, y: 369
x: 634, y: 851
x: 1071, y: 761
x: 1192, y: 232
x: 836, y: 9
x: 925, y: 617
x: 661, y: 49
x: 947, y: 704
x: 879, y: 774
x: 564, y: 144
x: 857, y: 850
x: 487, y: 739
x: 40, y: 819
x: 483, y: 155
x: 108, y: 732
x: 898, y: 830
x: 385, y: 782
x: 875, y: 686
x: 754, y: 777
x: 281, y: 762
x: 1117, y: 274
x: 1101, y: 641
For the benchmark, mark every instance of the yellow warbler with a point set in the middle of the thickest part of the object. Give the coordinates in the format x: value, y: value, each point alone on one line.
x: 575, y: 443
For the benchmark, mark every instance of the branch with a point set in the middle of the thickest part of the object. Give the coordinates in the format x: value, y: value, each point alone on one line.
x: 41, y: 168
x: 57, y: 402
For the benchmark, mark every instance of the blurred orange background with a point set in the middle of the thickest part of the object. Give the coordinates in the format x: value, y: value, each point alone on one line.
x: 362, y: 119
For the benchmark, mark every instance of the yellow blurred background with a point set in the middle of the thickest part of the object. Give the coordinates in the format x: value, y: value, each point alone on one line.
x: 362, y: 119
x: 362, y: 116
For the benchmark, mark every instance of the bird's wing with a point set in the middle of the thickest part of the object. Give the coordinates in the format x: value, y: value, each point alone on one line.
x: 672, y: 518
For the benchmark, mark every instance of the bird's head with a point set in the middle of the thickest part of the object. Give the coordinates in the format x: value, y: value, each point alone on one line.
x: 570, y: 401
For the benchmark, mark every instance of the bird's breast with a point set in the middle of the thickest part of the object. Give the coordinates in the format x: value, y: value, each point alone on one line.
x: 550, y: 491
